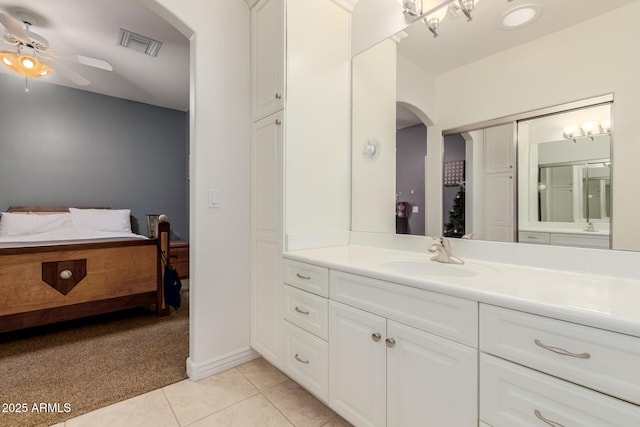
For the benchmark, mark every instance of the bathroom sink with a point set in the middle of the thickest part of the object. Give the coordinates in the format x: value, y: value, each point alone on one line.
x: 426, y: 268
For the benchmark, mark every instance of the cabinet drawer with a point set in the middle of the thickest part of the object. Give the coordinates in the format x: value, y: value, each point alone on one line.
x: 515, y: 396
x: 307, y: 277
x: 582, y: 241
x: 598, y: 359
x: 179, y: 258
x: 308, y: 311
x: 533, y: 237
x: 306, y: 360
x: 443, y: 315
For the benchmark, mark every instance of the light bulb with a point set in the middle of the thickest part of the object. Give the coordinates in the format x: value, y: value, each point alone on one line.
x: 605, y: 125
x: 434, y: 19
x: 28, y: 63
x: 589, y: 128
x: 7, y: 61
x: 570, y: 131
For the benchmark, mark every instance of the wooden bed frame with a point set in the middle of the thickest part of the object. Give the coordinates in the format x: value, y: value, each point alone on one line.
x: 53, y: 283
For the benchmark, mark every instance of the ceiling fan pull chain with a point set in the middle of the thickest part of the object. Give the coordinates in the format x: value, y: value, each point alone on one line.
x: 26, y: 83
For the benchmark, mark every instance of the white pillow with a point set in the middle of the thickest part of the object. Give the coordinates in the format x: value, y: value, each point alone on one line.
x: 12, y: 224
x: 102, y: 219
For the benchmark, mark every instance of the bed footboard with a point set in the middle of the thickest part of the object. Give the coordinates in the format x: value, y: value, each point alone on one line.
x: 48, y: 284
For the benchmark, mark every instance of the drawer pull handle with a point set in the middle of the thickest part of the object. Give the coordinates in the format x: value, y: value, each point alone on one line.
x: 300, y: 276
x: 301, y: 311
x: 390, y: 342
x: 549, y: 422
x: 306, y: 362
x: 376, y: 336
x: 561, y: 351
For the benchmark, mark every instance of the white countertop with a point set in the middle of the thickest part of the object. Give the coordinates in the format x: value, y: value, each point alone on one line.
x: 610, y: 303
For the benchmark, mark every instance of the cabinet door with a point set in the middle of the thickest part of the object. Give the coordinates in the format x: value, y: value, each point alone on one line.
x: 267, y: 58
x: 357, y: 365
x: 499, y: 149
x: 499, y: 207
x: 266, y: 237
x: 431, y: 381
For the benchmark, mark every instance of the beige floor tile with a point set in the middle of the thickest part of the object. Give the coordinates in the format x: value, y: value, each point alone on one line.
x: 262, y: 373
x: 150, y: 409
x: 255, y: 411
x: 192, y: 401
x: 58, y: 425
x: 299, y: 406
x: 338, y: 422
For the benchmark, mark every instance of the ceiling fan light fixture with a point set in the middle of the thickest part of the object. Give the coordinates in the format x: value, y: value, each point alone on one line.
x: 25, y: 65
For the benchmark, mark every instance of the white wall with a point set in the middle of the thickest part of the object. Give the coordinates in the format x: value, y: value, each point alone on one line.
x: 220, y: 159
x: 374, y: 104
x: 317, y: 124
x: 544, y: 73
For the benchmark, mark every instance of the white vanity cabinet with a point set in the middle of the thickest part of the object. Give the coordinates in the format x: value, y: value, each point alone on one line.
x: 383, y: 371
x: 536, y: 370
x: 306, y: 326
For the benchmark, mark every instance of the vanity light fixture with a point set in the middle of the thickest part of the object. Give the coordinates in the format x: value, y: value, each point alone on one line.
x: 587, y: 129
x: 414, y: 9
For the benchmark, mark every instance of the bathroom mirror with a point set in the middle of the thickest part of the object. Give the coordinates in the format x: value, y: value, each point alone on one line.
x: 510, y: 72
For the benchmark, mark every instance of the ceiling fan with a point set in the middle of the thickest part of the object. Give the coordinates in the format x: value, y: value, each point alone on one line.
x: 32, y: 57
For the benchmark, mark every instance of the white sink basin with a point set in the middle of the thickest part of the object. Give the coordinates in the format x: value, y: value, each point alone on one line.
x: 425, y: 268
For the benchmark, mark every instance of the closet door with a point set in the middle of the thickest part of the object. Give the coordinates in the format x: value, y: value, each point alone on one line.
x: 266, y: 237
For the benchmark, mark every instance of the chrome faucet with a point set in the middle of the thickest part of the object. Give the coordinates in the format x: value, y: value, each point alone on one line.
x: 590, y: 227
x: 442, y: 249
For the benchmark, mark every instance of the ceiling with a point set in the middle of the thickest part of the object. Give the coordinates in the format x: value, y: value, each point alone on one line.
x: 461, y: 42
x: 91, y: 28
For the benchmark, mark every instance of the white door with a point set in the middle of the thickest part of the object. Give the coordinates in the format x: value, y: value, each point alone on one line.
x: 266, y: 237
x: 357, y: 365
x: 267, y: 58
x: 499, y: 148
x: 431, y: 381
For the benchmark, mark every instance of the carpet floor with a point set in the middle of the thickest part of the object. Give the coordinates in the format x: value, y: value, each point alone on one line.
x: 87, y: 364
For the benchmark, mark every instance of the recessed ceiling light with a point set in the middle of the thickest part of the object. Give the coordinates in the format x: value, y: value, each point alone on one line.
x: 520, y: 16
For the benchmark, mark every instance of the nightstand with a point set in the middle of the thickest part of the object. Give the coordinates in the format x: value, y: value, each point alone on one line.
x: 179, y: 258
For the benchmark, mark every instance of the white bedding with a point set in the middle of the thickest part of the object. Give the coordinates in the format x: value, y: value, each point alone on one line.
x: 65, y: 235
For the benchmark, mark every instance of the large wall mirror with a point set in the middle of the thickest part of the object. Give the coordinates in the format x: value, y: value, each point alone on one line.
x: 427, y: 109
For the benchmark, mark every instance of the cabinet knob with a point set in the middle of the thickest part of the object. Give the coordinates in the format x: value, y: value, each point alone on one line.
x: 278, y: 122
x: 278, y: 96
x: 390, y: 342
x: 376, y: 337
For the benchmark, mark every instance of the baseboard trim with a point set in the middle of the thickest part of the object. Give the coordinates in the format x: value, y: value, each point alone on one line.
x: 198, y: 371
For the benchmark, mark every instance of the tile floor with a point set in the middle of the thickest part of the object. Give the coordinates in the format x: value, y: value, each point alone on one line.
x: 252, y: 394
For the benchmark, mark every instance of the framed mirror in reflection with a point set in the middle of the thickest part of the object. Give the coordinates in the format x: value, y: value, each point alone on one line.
x: 557, y: 192
x: 478, y: 73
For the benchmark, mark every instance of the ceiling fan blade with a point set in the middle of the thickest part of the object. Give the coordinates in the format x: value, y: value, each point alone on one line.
x: 85, y: 60
x: 65, y: 71
x: 14, y: 27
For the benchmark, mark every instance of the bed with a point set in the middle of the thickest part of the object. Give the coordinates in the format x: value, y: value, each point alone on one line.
x: 67, y: 270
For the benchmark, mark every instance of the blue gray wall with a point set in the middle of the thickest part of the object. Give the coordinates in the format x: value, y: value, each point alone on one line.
x: 64, y: 146
x: 411, y: 148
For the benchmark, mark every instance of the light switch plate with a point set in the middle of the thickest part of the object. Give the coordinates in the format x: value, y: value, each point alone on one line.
x: 415, y: 209
x: 214, y: 198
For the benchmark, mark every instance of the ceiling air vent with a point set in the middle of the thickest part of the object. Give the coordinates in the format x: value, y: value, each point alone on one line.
x: 142, y: 44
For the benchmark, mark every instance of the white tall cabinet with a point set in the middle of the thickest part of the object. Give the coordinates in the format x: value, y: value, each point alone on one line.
x: 300, y: 73
x: 499, y: 183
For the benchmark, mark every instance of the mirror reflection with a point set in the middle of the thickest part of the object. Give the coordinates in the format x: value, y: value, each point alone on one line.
x: 455, y: 82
